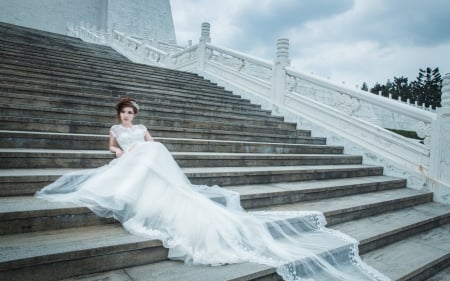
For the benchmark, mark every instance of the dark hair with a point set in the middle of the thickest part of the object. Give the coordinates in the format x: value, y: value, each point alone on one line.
x: 126, y: 102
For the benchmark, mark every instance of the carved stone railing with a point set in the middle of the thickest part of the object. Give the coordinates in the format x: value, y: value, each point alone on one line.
x: 139, y: 50
x: 186, y: 59
x: 363, y: 105
x: 353, y: 118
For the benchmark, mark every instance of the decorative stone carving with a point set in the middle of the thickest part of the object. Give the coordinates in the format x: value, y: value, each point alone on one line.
x: 423, y: 130
x: 291, y: 83
x: 346, y: 103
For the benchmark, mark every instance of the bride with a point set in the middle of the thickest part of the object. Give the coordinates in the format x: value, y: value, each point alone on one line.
x: 148, y: 193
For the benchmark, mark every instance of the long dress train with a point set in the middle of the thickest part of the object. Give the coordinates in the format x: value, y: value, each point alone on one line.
x: 149, y: 194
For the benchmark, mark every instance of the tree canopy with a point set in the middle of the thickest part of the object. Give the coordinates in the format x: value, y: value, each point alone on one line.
x: 426, y: 89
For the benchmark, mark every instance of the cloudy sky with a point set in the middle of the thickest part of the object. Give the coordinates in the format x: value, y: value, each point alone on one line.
x: 342, y: 40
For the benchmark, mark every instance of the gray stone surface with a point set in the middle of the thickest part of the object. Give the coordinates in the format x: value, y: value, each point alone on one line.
x: 399, y: 260
x: 443, y: 275
x: 33, y: 248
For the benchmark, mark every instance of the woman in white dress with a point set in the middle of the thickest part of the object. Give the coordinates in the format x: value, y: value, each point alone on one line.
x: 148, y: 193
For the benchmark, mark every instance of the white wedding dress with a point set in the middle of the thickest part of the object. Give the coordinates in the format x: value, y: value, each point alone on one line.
x: 149, y: 194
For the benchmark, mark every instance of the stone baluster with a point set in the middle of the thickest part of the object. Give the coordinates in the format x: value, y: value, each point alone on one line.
x: 440, y: 147
x: 205, y: 38
x: 279, y: 72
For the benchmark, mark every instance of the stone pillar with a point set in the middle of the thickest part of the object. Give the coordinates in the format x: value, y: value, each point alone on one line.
x: 279, y: 72
x: 205, y: 38
x: 440, y: 147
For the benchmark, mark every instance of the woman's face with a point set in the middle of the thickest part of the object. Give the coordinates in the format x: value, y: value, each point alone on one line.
x: 127, y: 115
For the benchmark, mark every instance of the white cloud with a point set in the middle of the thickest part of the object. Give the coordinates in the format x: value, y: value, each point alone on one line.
x: 359, y: 41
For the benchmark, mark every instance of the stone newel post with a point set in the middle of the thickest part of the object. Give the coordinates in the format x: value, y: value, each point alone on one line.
x: 440, y: 147
x: 279, y: 72
x: 205, y: 38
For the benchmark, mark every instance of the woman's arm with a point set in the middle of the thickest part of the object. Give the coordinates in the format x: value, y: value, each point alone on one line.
x: 114, y: 146
x: 148, y: 137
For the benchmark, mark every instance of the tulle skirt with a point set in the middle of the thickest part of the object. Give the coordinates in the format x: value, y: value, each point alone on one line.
x: 149, y: 194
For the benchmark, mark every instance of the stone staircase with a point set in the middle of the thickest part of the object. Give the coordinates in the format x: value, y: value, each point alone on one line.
x: 57, y: 94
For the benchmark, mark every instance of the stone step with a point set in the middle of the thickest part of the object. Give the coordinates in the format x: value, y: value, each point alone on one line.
x: 53, y: 140
x: 20, y: 214
x: 353, y: 207
x: 52, y: 42
x: 443, y: 275
x: 103, y: 103
x: 155, y: 115
x: 15, y: 56
x: 13, y: 80
x: 415, y: 258
x: 186, y: 115
x: 21, y: 50
x: 26, y: 181
x: 88, y: 127
x: 160, y: 126
x: 172, y: 270
x: 106, y: 97
x: 11, y: 69
x: 175, y: 270
x: 264, y: 195
x: 377, y: 231
x: 57, y: 254
x: 51, y: 158
x: 31, y: 254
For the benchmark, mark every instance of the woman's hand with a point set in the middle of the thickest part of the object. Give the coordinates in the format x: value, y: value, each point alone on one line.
x: 114, y: 147
x: 118, y: 153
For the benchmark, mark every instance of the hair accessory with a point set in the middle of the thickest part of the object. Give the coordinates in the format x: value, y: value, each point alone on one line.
x: 135, y: 105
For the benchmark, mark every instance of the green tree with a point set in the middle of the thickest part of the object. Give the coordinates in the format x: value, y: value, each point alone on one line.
x: 401, y: 88
x: 377, y: 88
x: 428, y: 87
x: 364, y: 87
x: 389, y: 89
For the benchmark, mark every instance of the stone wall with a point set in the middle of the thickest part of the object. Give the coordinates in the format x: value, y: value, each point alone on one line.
x: 141, y: 18
x: 53, y: 15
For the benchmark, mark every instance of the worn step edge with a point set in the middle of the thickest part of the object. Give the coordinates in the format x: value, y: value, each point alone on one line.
x: 360, y: 205
x: 383, y: 229
x: 415, y: 258
x: 223, y: 176
x: 47, y: 158
x: 172, y: 143
x: 95, y: 248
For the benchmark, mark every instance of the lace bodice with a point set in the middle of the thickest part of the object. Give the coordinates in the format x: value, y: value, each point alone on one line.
x: 128, y: 137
